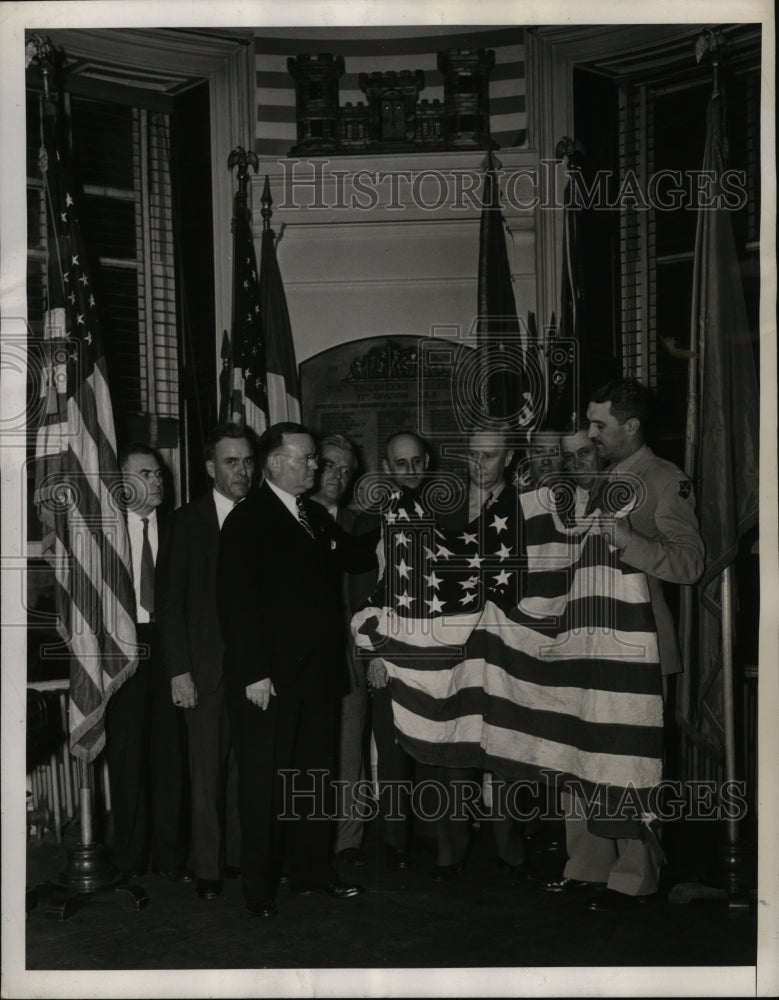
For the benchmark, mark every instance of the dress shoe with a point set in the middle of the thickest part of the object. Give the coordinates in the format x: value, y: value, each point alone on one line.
x: 232, y: 871
x: 352, y: 856
x: 567, y: 886
x: 174, y: 874
x: 447, y: 873
x: 343, y: 890
x: 398, y: 859
x: 261, y: 908
x: 610, y: 899
x: 208, y: 888
x: 338, y: 890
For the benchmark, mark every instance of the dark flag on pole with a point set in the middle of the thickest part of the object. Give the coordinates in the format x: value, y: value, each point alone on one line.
x: 281, y: 368
x: 725, y: 431
x: 506, y: 383
x: 569, y: 381
x: 78, y: 487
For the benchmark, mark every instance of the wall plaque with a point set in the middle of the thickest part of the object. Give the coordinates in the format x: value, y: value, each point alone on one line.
x: 369, y: 389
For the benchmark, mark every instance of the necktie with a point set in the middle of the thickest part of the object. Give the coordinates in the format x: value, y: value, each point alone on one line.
x: 147, y: 571
x: 596, y: 498
x: 303, y: 516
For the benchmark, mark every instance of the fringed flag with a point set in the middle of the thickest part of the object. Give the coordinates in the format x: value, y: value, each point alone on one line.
x: 520, y: 645
x: 78, y: 488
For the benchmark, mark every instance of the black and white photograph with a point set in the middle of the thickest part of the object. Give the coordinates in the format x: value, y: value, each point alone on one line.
x: 388, y: 508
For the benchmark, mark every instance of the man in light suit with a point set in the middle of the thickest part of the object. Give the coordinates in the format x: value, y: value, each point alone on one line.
x: 655, y: 530
x: 279, y: 604
x: 193, y: 651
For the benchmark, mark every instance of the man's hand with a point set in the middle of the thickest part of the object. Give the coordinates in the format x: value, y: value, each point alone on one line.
x: 377, y: 674
x: 183, y: 691
x: 617, y: 530
x: 260, y: 692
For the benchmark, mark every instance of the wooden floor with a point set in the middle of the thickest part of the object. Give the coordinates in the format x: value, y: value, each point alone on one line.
x: 404, y: 921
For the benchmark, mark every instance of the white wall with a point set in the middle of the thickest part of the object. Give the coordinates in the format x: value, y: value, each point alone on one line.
x: 362, y: 255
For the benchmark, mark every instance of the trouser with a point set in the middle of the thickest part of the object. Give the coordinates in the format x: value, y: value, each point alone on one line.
x: 630, y: 865
x: 395, y: 770
x: 169, y: 778
x: 127, y: 751
x: 454, y: 823
x: 214, y: 777
x: 351, y: 763
x: 285, y: 757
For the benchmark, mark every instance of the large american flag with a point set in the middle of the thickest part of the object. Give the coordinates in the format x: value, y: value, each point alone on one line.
x: 521, y: 645
x: 78, y: 489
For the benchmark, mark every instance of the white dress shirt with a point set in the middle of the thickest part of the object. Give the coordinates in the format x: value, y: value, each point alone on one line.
x: 223, y: 506
x: 289, y: 501
x: 135, y: 531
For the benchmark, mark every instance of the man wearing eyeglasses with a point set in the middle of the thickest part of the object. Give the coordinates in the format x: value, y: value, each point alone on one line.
x: 280, y: 610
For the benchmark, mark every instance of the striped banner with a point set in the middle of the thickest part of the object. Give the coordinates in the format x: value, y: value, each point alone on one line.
x: 275, y: 95
x: 78, y: 488
x: 564, y: 680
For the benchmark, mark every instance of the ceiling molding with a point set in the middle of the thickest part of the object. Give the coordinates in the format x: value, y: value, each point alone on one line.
x: 161, y: 61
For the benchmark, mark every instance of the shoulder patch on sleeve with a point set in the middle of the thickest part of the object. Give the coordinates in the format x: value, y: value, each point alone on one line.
x: 685, y: 488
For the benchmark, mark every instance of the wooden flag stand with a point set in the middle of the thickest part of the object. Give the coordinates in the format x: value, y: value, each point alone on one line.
x: 88, y: 874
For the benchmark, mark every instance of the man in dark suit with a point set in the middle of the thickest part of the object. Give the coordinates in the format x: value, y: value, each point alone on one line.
x: 280, y: 611
x: 485, y: 496
x: 145, y: 747
x: 405, y: 463
x: 193, y: 650
x: 337, y: 466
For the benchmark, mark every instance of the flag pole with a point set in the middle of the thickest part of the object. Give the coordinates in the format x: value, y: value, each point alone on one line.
x: 235, y: 346
x: 731, y: 879
x: 88, y: 870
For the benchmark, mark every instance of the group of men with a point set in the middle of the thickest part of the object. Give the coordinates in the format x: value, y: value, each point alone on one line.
x: 252, y: 698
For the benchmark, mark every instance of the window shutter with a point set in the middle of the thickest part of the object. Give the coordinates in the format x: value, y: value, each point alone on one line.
x: 157, y: 292
x: 637, y: 235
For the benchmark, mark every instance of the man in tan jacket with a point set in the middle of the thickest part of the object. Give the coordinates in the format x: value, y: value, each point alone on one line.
x: 648, y: 511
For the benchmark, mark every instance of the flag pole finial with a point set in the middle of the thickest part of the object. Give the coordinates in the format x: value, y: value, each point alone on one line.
x: 711, y: 43
x: 267, y: 201
x: 243, y: 159
x: 39, y: 50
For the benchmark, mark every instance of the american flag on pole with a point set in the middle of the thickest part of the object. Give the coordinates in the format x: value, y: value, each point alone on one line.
x: 78, y: 488
x: 521, y: 645
x: 249, y: 400
x: 264, y: 380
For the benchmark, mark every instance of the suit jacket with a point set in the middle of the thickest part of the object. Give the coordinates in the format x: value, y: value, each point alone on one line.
x: 186, y: 595
x: 279, y: 596
x: 666, y: 543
